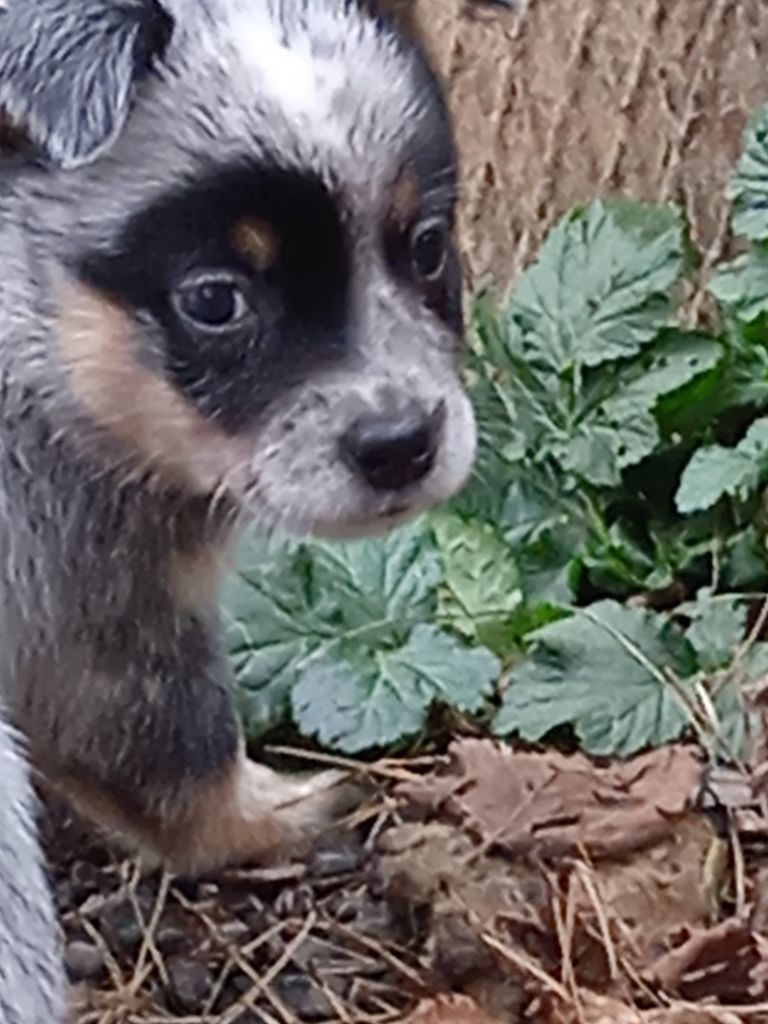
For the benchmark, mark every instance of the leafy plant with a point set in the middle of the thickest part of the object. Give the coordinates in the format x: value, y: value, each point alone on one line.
x: 622, y: 455
x: 602, y: 671
x: 341, y: 636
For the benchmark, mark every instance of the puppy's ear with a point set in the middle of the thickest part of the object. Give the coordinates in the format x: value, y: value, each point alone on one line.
x: 68, y: 70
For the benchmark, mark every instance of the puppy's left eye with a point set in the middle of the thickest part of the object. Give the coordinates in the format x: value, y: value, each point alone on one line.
x: 429, y: 249
x: 213, y: 302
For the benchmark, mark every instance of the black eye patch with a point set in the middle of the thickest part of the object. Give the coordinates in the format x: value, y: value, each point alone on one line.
x: 247, y: 273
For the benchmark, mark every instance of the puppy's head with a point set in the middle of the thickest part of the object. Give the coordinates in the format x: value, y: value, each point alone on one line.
x: 251, y: 208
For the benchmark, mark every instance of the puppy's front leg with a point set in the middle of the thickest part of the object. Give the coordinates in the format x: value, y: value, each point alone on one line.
x: 156, y: 757
x: 243, y: 814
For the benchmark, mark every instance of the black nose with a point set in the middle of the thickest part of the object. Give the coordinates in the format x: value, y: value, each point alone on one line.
x: 390, y: 451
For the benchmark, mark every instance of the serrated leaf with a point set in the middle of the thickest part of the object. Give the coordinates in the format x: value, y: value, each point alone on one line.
x: 300, y: 602
x: 550, y: 383
x: 715, y: 471
x: 749, y: 184
x: 742, y: 285
x: 360, y: 702
x: 716, y: 630
x: 598, y: 452
x: 545, y: 525
x: 481, y: 587
x: 268, y: 628
x: 599, y: 290
x: 645, y: 221
x: 677, y: 358
x: 593, y: 671
x: 617, y: 563
x: 737, y: 725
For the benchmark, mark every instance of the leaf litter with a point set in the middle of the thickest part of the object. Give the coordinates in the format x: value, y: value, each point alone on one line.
x: 492, y: 885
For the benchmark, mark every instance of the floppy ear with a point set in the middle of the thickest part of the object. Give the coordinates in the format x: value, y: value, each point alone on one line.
x: 68, y: 69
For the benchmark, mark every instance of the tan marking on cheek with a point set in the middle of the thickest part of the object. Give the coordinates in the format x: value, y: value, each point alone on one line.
x: 160, y: 428
x: 257, y: 242
x: 405, y: 200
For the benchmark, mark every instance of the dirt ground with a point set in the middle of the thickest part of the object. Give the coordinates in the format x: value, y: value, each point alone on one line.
x: 489, y: 886
x: 553, y: 105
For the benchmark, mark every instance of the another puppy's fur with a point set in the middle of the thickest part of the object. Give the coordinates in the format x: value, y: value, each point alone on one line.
x: 228, y: 291
x: 31, y: 977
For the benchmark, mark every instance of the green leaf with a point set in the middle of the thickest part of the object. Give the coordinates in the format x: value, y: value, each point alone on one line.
x: 622, y: 430
x: 618, y: 564
x: 739, y: 721
x: 289, y: 605
x: 545, y: 523
x: 572, y: 313
x: 481, y: 589
x: 716, y: 630
x: 599, y: 290
x: 594, y: 671
x: 676, y: 358
x: 742, y: 285
x: 715, y: 471
x: 268, y: 628
x: 645, y: 221
x: 362, y: 702
x: 749, y: 185
x: 746, y: 560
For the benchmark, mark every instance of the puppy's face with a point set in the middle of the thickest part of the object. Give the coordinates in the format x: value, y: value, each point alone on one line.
x: 261, y: 293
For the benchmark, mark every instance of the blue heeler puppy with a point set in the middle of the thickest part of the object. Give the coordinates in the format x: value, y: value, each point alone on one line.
x: 228, y: 293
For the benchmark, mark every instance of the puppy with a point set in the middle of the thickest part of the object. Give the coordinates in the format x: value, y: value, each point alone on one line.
x: 229, y: 293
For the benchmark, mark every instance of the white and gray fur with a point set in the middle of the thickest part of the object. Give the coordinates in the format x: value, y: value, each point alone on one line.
x: 120, y: 684
x: 31, y: 976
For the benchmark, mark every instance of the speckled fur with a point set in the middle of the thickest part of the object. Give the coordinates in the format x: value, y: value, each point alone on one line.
x: 31, y: 978
x: 112, y: 663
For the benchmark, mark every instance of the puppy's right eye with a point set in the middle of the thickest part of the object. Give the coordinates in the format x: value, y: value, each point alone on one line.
x: 214, y: 303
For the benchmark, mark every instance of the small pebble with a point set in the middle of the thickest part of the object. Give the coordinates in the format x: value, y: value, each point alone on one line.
x: 85, y: 879
x: 84, y: 960
x: 304, y: 996
x: 190, y: 983
x: 170, y: 937
x: 234, y: 931
x: 120, y: 927
x: 340, y: 860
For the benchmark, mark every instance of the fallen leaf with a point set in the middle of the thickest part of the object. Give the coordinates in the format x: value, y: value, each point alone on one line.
x: 597, y: 1009
x: 554, y: 805
x: 572, y: 870
x: 719, y: 962
x: 644, y: 902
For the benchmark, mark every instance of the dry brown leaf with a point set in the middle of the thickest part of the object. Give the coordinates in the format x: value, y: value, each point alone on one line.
x: 596, y: 1009
x: 646, y: 902
x: 439, y: 868
x: 452, y: 1009
x: 552, y: 805
x: 622, y: 913
x: 717, y: 963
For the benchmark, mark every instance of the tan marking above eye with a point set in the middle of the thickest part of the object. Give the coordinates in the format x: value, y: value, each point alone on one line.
x: 405, y: 198
x: 257, y: 242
